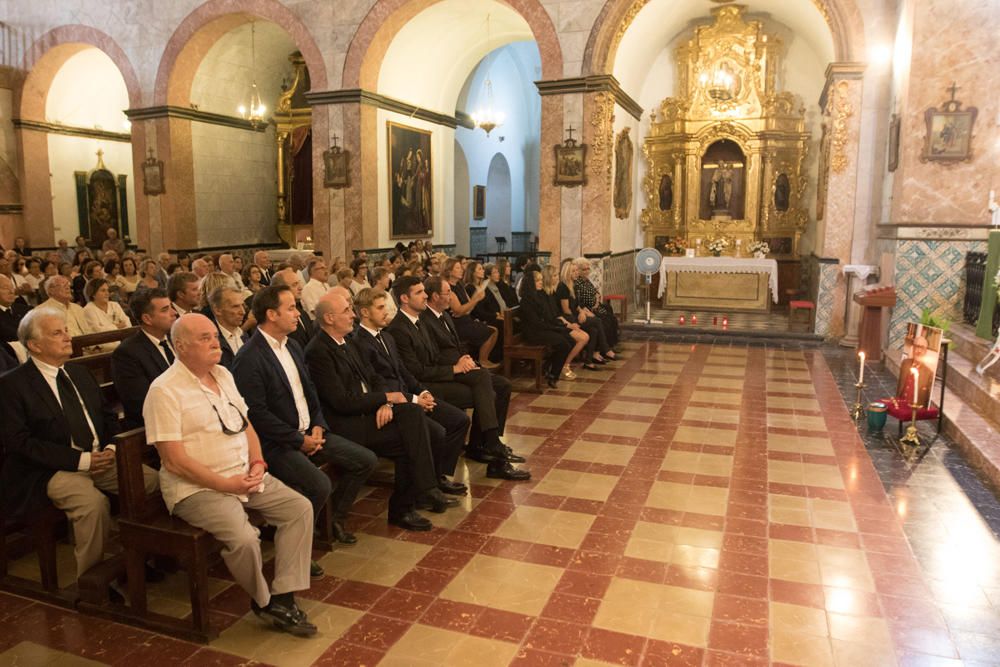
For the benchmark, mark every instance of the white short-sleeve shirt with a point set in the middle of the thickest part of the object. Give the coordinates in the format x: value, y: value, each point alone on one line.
x: 178, y: 407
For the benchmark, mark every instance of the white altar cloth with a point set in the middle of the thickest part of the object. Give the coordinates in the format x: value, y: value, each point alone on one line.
x: 720, y: 265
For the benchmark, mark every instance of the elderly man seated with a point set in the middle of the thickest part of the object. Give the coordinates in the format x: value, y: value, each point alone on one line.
x: 57, y: 429
x: 61, y: 299
x: 213, y: 473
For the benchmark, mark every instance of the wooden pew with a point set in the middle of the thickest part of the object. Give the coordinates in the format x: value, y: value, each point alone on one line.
x: 514, y: 348
x: 83, y: 343
x: 147, y: 529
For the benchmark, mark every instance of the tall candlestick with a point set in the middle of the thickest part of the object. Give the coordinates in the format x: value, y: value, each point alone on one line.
x: 861, y: 373
x: 916, y: 384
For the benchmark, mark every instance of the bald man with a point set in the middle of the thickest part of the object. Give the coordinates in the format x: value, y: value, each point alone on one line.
x: 61, y: 299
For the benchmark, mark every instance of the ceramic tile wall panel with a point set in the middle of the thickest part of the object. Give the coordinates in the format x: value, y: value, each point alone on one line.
x: 826, y: 311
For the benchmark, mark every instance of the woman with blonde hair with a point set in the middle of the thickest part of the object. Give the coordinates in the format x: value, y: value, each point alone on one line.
x: 581, y: 339
x: 598, y: 352
x: 475, y: 334
x: 209, y: 284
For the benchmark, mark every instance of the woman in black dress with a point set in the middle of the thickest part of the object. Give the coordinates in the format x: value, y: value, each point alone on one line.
x: 581, y: 339
x: 504, y: 284
x: 599, y: 350
x: 472, y: 332
x: 589, y: 301
x: 540, y: 327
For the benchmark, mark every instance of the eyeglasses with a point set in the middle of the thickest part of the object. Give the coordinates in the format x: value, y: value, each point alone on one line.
x: 222, y: 423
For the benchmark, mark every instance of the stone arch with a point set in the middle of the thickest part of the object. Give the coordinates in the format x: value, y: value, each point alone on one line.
x: 499, y: 199
x: 387, y: 17
x: 51, y: 51
x: 205, y: 25
x: 842, y: 17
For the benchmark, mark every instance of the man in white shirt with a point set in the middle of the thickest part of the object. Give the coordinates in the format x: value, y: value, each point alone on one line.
x: 316, y: 287
x: 61, y: 298
x: 213, y: 473
x: 57, y: 430
x: 228, y: 309
x: 183, y: 290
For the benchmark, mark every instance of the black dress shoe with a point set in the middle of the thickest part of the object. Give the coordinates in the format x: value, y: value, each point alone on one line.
x: 342, y: 535
x: 315, y: 570
x: 510, y: 456
x: 436, y: 501
x: 480, y: 454
x: 507, y: 471
x: 445, y: 485
x: 287, y: 619
x: 410, y: 521
x: 590, y: 366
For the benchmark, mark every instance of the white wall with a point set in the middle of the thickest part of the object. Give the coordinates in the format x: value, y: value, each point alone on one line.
x: 462, y: 201
x: 87, y: 91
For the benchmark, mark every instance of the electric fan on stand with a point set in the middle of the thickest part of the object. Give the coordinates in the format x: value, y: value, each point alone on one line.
x: 647, y: 262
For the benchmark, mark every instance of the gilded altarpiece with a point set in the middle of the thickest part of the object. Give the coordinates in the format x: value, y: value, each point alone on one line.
x: 293, y: 133
x: 726, y: 157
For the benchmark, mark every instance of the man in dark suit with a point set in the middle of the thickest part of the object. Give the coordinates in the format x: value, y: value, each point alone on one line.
x: 291, y: 279
x: 263, y: 262
x: 184, y: 290
x: 453, y: 376
x: 12, y: 309
x: 56, y: 430
x: 357, y: 406
x: 271, y: 374
x: 378, y: 352
x: 226, y: 305
x: 141, y: 358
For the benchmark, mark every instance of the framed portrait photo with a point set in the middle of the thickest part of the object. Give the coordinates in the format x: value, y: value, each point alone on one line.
x: 571, y: 164
x: 411, y: 203
x: 336, y: 168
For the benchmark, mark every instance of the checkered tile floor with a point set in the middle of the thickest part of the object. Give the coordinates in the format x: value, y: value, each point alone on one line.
x: 693, y: 505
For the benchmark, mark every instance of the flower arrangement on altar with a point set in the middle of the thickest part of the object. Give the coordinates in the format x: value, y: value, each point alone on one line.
x: 717, y: 246
x: 759, y: 249
x: 675, y: 246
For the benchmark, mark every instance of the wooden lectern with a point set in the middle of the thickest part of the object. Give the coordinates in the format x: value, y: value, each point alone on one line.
x: 873, y: 299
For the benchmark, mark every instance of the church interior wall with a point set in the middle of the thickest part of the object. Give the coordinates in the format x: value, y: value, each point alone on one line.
x: 499, y: 200
x: 87, y: 92
x: 462, y: 200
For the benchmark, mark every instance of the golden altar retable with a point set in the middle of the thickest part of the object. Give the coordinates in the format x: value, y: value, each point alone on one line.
x: 726, y: 284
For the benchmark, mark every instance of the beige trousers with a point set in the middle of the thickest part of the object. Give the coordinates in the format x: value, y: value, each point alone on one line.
x: 79, y: 495
x: 225, y: 517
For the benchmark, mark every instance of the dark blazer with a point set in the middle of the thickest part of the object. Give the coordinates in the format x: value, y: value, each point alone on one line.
x: 390, y: 368
x: 134, y: 365
x: 337, y: 370
x: 36, y: 436
x: 227, y: 352
x: 419, y: 352
x: 450, y: 348
x: 304, y: 333
x: 10, y: 318
x: 8, y: 360
x: 264, y: 386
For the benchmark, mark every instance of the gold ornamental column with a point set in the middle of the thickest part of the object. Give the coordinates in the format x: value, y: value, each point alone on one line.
x: 841, y: 102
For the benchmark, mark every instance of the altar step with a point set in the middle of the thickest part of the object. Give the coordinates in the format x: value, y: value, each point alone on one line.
x: 757, y: 327
x: 971, y: 403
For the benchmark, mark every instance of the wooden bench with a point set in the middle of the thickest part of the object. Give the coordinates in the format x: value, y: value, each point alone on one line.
x: 81, y: 344
x: 147, y: 529
x: 514, y: 348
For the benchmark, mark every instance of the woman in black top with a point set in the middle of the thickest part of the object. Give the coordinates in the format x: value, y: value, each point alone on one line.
x: 581, y: 339
x: 599, y: 349
x: 587, y: 298
x: 472, y: 332
x: 504, y: 284
x: 539, y: 327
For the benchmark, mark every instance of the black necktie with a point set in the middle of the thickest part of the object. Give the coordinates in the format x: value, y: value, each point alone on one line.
x: 378, y: 337
x: 79, y: 429
x: 355, y: 367
x: 167, y: 351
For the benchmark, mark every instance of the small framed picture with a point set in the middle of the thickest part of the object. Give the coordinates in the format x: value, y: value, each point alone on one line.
x: 949, y: 131
x: 571, y: 164
x: 478, y: 202
x: 152, y: 176
x: 336, y: 168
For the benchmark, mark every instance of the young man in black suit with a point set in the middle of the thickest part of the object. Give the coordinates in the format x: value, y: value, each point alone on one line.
x: 357, y: 406
x: 57, y: 430
x: 454, y: 376
x: 378, y: 352
x: 141, y: 358
x: 271, y: 374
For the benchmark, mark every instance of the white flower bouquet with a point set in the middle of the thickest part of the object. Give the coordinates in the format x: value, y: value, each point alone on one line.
x: 716, y: 246
x: 759, y: 248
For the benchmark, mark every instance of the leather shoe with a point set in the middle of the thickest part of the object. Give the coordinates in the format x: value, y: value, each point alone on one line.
x: 445, y: 485
x: 436, y: 501
x: 480, y: 454
x: 507, y: 471
x: 315, y: 570
x: 410, y: 521
x: 510, y: 456
x: 342, y: 535
x: 287, y: 619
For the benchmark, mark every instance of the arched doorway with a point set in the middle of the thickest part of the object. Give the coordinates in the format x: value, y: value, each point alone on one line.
x: 463, y: 201
x: 499, y: 191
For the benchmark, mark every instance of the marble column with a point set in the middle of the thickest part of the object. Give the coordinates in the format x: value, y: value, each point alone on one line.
x: 550, y: 196
x: 178, y: 222
x: 36, y: 189
x: 596, y: 204
x: 841, y: 101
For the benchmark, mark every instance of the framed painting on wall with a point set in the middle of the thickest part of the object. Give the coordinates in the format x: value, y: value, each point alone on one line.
x: 336, y: 168
x: 949, y: 131
x: 571, y: 164
x: 478, y: 202
x: 411, y: 211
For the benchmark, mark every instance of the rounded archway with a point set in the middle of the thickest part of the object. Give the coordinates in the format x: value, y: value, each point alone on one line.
x: 499, y: 190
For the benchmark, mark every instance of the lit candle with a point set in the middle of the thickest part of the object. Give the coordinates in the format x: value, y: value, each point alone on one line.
x: 694, y: 319
x: 916, y: 383
x: 680, y: 320
x: 725, y: 321
x: 861, y: 373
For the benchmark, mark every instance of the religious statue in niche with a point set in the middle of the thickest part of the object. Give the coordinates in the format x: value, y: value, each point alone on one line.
x: 949, y: 131
x: 722, y: 188
x: 722, y: 182
x: 623, y: 174
x: 101, y: 202
x: 782, y: 190
x: 666, y: 192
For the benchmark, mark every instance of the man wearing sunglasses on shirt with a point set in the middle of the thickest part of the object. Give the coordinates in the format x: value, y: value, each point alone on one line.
x: 213, y: 473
